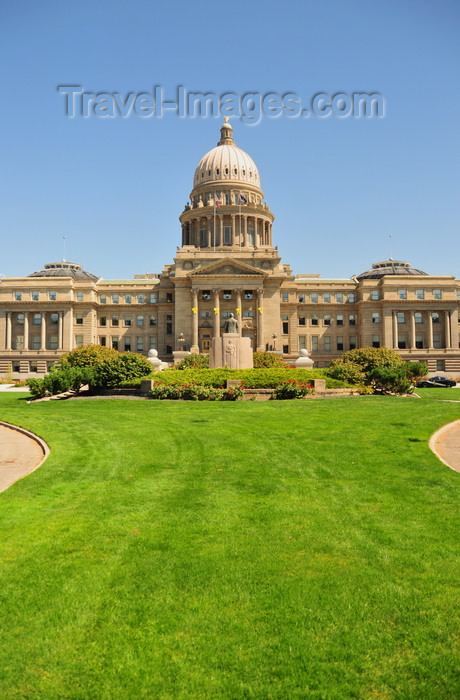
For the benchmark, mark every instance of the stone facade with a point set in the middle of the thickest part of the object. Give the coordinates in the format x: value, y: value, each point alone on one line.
x: 227, y: 263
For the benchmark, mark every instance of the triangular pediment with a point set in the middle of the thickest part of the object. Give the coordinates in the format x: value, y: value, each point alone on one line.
x: 227, y: 267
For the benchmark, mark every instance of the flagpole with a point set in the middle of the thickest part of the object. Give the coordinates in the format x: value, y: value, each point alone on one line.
x: 214, y: 223
x: 239, y: 199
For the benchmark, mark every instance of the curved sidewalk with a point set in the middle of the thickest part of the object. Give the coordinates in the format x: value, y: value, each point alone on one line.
x: 445, y: 443
x: 21, y: 452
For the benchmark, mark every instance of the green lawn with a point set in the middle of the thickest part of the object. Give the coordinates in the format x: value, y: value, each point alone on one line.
x: 303, y: 549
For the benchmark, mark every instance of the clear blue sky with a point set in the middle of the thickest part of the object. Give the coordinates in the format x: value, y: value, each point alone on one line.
x: 338, y: 187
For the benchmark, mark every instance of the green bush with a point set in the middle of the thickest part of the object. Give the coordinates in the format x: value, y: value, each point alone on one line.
x: 415, y: 371
x: 109, y: 368
x: 390, y: 380
x: 195, y: 392
x: 60, y: 380
x: 291, y: 389
x: 251, y: 378
x: 262, y: 360
x: 348, y: 372
x: 368, y: 358
x: 195, y: 360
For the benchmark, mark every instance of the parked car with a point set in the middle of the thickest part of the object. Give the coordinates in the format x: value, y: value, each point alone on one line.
x: 436, y: 382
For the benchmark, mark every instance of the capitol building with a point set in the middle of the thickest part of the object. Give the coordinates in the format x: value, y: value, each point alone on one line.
x: 226, y: 264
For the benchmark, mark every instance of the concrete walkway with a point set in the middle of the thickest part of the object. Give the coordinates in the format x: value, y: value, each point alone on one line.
x: 445, y: 444
x: 21, y: 453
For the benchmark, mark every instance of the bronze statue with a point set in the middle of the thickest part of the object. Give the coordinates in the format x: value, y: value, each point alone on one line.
x: 231, y: 325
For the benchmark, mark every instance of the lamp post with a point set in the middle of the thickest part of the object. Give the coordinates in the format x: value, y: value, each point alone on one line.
x: 181, y: 341
x: 275, y: 338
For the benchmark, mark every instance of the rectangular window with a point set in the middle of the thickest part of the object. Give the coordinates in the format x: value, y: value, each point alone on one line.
x: 314, y: 320
x: 339, y: 298
x: 19, y: 342
x: 127, y: 321
x: 375, y: 295
x: 401, y: 341
x: 435, y: 317
x: 16, y: 366
x: 251, y: 237
x: 127, y: 343
x: 169, y: 297
x: 78, y: 341
x: 37, y: 319
x: 52, y: 296
x: 169, y: 325
x: 36, y: 343
x: 53, y: 342
x: 339, y: 320
x: 227, y: 235
x: 437, y: 294
x: 141, y: 299
x: 103, y: 299
x: 352, y: 342
x: 401, y: 317
x: 153, y: 298
x: 115, y: 298
x: 352, y: 320
x: 420, y: 294
x: 226, y: 314
x: 314, y: 343
x: 376, y: 317
x: 375, y: 341
x: 152, y: 321
x: 302, y: 342
x: 284, y: 296
x: 327, y: 342
x: 128, y: 299
x: 248, y: 294
x: 227, y: 198
x: 79, y: 319
x: 227, y: 295
x: 115, y: 342
x: 440, y: 366
x: 286, y: 349
x: 351, y: 298
x: 205, y: 314
x: 301, y: 320
x: 33, y: 367
x: 301, y: 298
x: 418, y: 317
x: 139, y: 343
x: 20, y: 319
x: 340, y: 342
x: 103, y: 340
x: 206, y: 295
x: 103, y: 321
x: 418, y: 341
x: 115, y: 321
x: 152, y: 342
x: 285, y: 327
x: 314, y: 298
x: 18, y: 296
x: 140, y: 321
x: 203, y: 237
x: 402, y: 293
x: 248, y: 314
x: 327, y: 321
x: 35, y: 296
x: 80, y: 296
x: 327, y: 298
x: 437, y: 341
x: 169, y: 349
x: 458, y: 294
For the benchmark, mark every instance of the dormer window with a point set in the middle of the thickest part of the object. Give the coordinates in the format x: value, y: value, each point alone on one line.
x: 217, y: 171
x: 226, y: 171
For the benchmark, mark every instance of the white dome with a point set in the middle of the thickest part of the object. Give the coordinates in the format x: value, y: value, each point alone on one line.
x: 226, y: 162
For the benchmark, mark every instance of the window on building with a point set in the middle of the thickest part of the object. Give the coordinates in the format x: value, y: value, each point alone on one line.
x: 286, y: 349
x: 36, y: 342
x: 103, y: 321
x: 18, y: 296
x: 440, y: 366
x: 375, y: 317
x: 115, y: 321
x: 420, y: 294
x: 52, y: 296
x: 327, y: 298
x: 139, y: 343
x: 352, y: 320
x: 206, y: 295
x: 103, y: 340
x: 401, y: 341
x: 169, y: 297
x: 127, y: 321
x: 115, y: 342
x: 16, y: 366
x: 153, y: 298
x: 285, y: 327
x: 437, y: 294
x: 20, y: 319
x: 78, y: 341
x: 227, y: 295
x: 301, y: 298
x: 314, y: 343
x: 19, y: 342
x: 152, y: 321
x: 169, y: 325
x: 80, y: 296
x: 339, y: 320
x: 302, y: 342
x: 141, y: 298
x: 152, y: 342
x: 375, y: 296
x: 314, y: 320
x: 437, y: 341
x: 35, y: 296
x: 79, y: 319
x: 435, y: 317
x: 284, y: 296
x: 401, y: 317
x: 226, y: 314
x: 351, y: 298
x: 203, y: 237
x: 248, y: 294
x: 248, y: 314
x: 418, y: 317
x: 327, y: 320
x: 314, y: 298
x: 127, y: 343
x: 54, y: 319
x: 140, y: 321
x: 103, y: 299
x: 327, y: 343
x: 339, y: 298
x: 402, y: 293
x: 115, y: 298
x: 340, y: 342
x: 33, y: 366
x: 37, y: 319
x: 458, y: 294
x: 375, y: 341
x: 54, y: 342
x: 128, y: 298
x: 227, y: 235
x: 227, y: 194
x: 418, y: 341
x: 205, y: 314
x: 352, y: 342
x: 302, y: 321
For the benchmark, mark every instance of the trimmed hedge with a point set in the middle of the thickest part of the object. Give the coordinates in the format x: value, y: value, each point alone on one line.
x: 251, y: 378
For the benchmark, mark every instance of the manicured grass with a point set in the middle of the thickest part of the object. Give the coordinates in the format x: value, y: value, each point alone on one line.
x: 302, y: 549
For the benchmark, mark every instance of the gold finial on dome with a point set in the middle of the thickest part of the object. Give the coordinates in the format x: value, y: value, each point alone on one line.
x: 226, y: 134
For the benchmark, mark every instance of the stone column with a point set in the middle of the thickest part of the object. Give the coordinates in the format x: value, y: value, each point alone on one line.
x: 43, y: 332
x: 26, y: 330
x: 216, y: 310
x: 194, y: 347
x: 260, y: 321
x: 239, y: 314
x: 221, y: 229
x: 412, y: 330
x: 395, y: 329
x: 60, y: 331
x: 245, y: 231
x: 233, y: 230
x: 454, y: 328
x: 448, y: 342
x: 8, y: 330
x: 430, y: 331
x: 210, y: 231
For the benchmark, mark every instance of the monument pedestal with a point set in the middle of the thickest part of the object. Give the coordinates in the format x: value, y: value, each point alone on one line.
x: 232, y: 351
x: 179, y: 355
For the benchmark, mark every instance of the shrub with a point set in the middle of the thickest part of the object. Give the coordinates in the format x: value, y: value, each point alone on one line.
x: 59, y: 381
x: 291, y: 389
x: 195, y: 360
x: 195, y: 392
x: 109, y: 367
x: 253, y: 378
x: 390, y: 380
x: 368, y: 358
x: 415, y: 371
x: 267, y: 359
x: 347, y: 372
